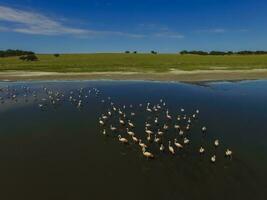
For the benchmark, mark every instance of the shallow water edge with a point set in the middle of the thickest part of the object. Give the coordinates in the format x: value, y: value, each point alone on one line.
x: 177, y: 76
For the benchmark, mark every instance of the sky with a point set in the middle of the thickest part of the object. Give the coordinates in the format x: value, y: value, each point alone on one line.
x: 167, y: 26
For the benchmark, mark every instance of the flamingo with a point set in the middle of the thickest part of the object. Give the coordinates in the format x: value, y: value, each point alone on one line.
x: 112, y: 128
x: 148, y: 131
x: 122, y: 140
x: 101, y: 122
x: 104, y: 132
x: 228, y: 153
x: 171, y: 149
x: 216, y: 143
x: 130, y: 132
x: 186, y: 140
x: 176, y: 126
x: 213, y: 159
x: 177, y: 144
x: 142, y: 145
x: 147, y: 154
x: 134, y: 139
x: 161, y: 148
x: 156, y: 139
x: 160, y: 132
x: 121, y: 122
x: 201, y: 150
x: 130, y: 124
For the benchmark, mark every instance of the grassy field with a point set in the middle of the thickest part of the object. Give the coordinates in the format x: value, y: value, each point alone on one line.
x: 133, y: 63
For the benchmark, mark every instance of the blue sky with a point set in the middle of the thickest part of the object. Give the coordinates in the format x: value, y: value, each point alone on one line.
x: 67, y: 26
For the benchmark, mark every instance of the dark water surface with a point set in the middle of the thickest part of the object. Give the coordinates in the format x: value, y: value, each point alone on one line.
x: 59, y: 153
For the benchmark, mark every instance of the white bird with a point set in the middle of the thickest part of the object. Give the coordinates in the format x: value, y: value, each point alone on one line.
x: 228, y: 153
x: 148, y: 137
x: 165, y: 127
x: 161, y: 148
x: 177, y: 144
x: 156, y: 139
x: 101, y: 121
x: 112, y: 128
x: 213, y: 159
x: 216, y: 143
x: 141, y: 144
x: 156, y: 120
x: 130, y: 124
x: 204, y: 129
x: 160, y: 132
x: 186, y: 140
x: 121, y: 122
x: 147, y: 124
x: 134, y: 139
x: 130, y: 132
x: 147, y: 154
x: 189, y: 121
x: 148, y: 131
x: 168, y: 116
x: 176, y: 126
x: 104, y: 116
x: 148, y: 109
x: 171, y: 149
x: 201, y: 150
x: 123, y: 140
x: 104, y: 132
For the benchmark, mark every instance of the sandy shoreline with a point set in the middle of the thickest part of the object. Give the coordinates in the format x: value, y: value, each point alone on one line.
x: 175, y: 75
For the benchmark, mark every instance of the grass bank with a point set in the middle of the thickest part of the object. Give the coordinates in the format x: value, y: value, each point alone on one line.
x: 133, y: 63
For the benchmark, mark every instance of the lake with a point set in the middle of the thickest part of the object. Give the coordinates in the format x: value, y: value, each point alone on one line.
x: 54, y: 148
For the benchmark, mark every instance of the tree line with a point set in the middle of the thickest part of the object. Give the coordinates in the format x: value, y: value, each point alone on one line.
x: 16, y: 52
x: 224, y: 52
x: 23, y: 55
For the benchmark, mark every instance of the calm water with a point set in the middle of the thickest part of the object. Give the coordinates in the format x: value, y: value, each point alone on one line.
x: 58, y: 152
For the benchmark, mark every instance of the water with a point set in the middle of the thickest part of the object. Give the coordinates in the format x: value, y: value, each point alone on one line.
x: 58, y: 152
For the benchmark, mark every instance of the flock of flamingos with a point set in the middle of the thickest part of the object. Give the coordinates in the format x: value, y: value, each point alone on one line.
x: 170, y: 133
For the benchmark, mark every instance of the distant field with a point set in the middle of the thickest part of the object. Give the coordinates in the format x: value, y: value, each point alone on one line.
x: 133, y: 63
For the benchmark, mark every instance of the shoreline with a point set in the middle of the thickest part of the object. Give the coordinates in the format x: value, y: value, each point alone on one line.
x: 174, y: 75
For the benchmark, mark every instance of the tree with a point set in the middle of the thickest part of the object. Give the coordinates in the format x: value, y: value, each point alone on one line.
x: 11, y: 52
x: 184, y: 52
x: 154, y: 52
x: 218, y: 53
x: 56, y: 55
x: 127, y: 52
x: 31, y: 57
x: 135, y: 52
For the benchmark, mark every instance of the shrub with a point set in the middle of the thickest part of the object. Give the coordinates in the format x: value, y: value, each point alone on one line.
x: 30, y: 57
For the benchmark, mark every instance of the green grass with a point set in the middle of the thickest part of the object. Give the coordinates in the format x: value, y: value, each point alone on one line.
x: 133, y: 62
